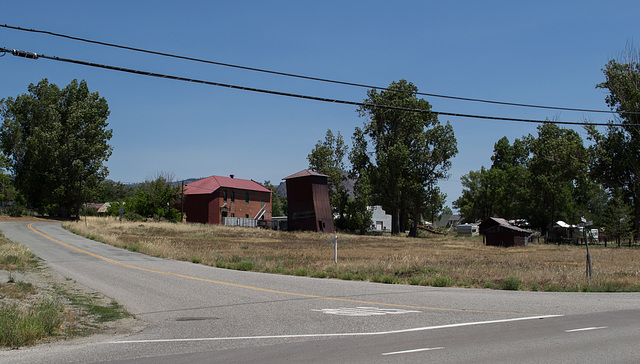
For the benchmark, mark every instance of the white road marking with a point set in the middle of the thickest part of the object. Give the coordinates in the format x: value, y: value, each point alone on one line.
x: 415, y: 329
x: 412, y: 351
x: 587, y: 329
x: 363, y: 311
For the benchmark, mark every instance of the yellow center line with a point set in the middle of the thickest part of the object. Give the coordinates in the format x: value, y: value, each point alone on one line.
x: 30, y: 226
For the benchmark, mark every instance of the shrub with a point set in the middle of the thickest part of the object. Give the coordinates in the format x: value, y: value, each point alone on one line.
x: 442, y: 281
x: 511, y: 283
x: 319, y: 275
x: 15, y: 210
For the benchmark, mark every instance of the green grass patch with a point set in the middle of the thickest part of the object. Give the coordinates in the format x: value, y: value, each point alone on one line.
x: 21, y: 326
x: 442, y: 281
x: 511, y: 283
x: 319, y: 275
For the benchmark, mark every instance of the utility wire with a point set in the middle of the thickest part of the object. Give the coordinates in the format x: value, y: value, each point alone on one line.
x: 32, y: 55
x: 459, y: 98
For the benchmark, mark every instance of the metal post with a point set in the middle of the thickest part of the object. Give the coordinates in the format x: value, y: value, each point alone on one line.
x: 335, y: 244
x: 586, y: 241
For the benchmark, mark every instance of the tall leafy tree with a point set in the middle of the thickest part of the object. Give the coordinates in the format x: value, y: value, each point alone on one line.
x: 56, y: 141
x: 541, y: 178
x: 155, y: 199
x: 278, y: 203
x: 410, y: 151
x: 558, y: 171
x: 328, y: 157
x: 617, y: 151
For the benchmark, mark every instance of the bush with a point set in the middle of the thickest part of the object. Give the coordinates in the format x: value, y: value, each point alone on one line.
x: 442, y: 281
x: 15, y: 210
x: 511, y: 283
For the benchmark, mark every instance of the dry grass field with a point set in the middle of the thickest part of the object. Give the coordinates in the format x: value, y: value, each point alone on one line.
x: 433, y: 260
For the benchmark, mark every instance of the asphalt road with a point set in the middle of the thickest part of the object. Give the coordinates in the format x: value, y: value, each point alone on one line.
x: 199, y: 314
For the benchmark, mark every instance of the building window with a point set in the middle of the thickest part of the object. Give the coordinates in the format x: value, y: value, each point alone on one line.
x: 233, y: 196
x: 246, y: 216
x: 262, y: 202
x: 224, y: 195
x: 246, y: 198
x: 233, y: 215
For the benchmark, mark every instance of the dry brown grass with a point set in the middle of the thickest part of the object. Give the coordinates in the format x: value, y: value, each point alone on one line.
x: 431, y: 260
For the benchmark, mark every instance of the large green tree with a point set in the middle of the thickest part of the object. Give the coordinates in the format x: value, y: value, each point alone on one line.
x: 155, y: 199
x: 56, y: 141
x: 558, y: 169
x: 617, y: 151
x: 279, y: 203
x: 409, y: 151
x: 541, y: 178
x: 328, y: 157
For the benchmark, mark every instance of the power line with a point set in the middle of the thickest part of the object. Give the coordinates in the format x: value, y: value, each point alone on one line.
x: 459, y: 98
x: 32, y: 55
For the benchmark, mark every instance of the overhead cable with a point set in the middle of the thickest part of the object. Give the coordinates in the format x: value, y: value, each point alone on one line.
x: 346, y: 83
x: 32, y: 55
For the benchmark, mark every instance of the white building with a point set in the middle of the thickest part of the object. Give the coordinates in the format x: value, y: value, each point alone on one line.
x: 381, y: 221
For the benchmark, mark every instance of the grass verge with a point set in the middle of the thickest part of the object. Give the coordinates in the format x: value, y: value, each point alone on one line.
x: 31, y: 313
x: 440, y: 261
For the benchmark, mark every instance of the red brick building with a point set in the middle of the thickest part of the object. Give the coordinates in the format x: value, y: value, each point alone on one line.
x: 210, y: 199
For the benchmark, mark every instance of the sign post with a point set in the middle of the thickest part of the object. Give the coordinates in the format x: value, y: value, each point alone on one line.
x: 584, y: 225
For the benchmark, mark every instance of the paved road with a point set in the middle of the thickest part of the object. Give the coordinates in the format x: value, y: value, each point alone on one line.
x: 198, y: 314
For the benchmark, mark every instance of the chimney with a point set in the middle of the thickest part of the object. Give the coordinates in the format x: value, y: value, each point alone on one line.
x: 231, y: 175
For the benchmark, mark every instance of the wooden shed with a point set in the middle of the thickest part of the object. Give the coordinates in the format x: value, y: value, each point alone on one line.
x: 309, y: 207
x: 498, y: 232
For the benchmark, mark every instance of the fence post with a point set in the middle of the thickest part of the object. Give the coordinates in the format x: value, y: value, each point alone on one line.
x: 335, y: 244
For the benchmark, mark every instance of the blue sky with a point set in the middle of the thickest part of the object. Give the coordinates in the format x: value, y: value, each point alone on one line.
x: 542, y: 52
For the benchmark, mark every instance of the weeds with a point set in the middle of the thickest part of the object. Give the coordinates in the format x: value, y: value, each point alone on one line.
x: 440, y: 261
x: 511, y: 283
x: 20, y: 326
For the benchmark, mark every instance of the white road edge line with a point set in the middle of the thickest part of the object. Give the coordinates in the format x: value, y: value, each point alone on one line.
x: 587, y: 329
x: 333, y: 335
x: 412, y: 351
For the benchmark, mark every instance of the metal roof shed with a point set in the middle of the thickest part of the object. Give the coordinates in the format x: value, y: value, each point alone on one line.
x: 498, y: 232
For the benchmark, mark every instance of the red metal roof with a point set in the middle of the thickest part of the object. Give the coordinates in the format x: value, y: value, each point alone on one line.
x: 305, y: 173
x: 211, y: 184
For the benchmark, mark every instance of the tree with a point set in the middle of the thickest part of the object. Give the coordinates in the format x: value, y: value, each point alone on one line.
x: 8, y: 192
x: 109, y: 191
x: 410, y: 151
x: 57, y: 144
x: 558, y: 169
x: 539, y: 178
x: 278, y: 203
x: 155, y: 199
x: 328, y: 157
x: 617, y: 152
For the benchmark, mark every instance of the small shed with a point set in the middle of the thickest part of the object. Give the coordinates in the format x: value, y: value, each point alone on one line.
x: 308, y: 198
x: 498, y: 232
